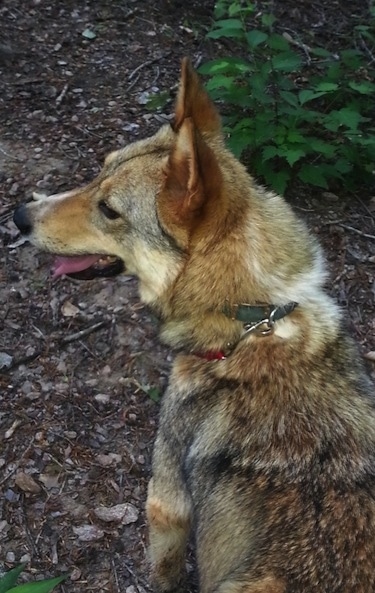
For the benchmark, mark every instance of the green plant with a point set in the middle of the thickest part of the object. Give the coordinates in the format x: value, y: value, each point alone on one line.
x: 8, y: 581
x: 295, y: 111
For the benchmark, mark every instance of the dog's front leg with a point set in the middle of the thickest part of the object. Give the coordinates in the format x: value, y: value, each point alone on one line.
x: 168, y: 511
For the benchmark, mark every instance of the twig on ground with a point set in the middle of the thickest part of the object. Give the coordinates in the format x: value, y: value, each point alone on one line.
x: 84, y: 332
x: 115, y: 575
x: 138, y: 579
x: 148, y: 63
x: 32, y: 543
x: 357, y: 231
x: 63, y: 341
x: 302, y: 46
x: 10, y: 156
x: 17, y: 464
x: 367, y: 50
x: 349, y: 228
x: 61, y: 96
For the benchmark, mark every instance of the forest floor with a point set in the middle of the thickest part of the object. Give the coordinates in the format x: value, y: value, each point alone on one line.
x: 81, y: 366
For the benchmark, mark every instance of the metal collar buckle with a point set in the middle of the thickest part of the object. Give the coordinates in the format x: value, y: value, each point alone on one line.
x: 268, y: 322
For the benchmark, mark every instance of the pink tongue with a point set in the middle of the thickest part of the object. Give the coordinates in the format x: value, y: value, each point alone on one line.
x: 67, y: 265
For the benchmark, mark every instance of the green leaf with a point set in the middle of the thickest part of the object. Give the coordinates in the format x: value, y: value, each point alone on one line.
x: 278, y: 42
x: 269, y: 152
x: 286, y: 61
x: 343, y: 166
x: 309, y: 95
x: 313, y: 175
x: 220, y: 81
x: 294, y: 155
x: 238, y: 141
x: 239, y: 9
x: 321, y: 52
x: 326, y: 86
x: 154, y: 394
x: 231, y: 23
x: 278, y: 180
x: 227, y: 65
x: 321, y: 147
x: 290, y: 98
x: 294, y: 137
x: 257, y: 84
x: 364, y: 88
x: 231, y: 33
x: 268, y: 20
x: 227, y: 28
x: 38, y: 586
x: 256, y: 37
x: 10, y: 578
x: 350, y: 118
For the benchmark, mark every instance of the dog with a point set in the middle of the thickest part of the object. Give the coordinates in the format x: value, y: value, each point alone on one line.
x: 266, y: 445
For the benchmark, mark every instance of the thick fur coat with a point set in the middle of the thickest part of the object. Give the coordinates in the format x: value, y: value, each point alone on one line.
x: 267, y: 454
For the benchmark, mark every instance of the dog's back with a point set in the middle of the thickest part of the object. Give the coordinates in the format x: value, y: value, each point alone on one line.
x: 269, y: 452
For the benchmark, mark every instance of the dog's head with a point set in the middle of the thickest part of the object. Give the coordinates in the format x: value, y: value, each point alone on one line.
x: 143, y: 208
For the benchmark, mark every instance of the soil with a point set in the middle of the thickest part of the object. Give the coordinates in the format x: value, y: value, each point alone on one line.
x: 81, y: 367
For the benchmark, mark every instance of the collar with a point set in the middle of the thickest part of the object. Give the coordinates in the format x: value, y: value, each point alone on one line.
x: 259, y: 313
x: 259, y: 318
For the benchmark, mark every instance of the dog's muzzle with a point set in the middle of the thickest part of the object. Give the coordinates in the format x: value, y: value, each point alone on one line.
x: 22, y: 220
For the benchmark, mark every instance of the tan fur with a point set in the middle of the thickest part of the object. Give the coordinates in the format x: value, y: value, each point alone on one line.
x: 269, y: 454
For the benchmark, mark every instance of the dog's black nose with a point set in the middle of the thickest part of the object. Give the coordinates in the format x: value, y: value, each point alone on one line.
x: 22, y: 220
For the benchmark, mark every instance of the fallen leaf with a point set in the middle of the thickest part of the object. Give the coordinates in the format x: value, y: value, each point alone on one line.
x: 76, y: 509
x: 11, y: 430
x: 26, y: 483
x: 69, y: 310
x: 49, y: 480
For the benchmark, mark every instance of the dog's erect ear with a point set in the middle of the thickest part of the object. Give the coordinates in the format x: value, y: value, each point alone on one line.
x: 192, y: 179
x: 183, y: 184
x: 193, y: 101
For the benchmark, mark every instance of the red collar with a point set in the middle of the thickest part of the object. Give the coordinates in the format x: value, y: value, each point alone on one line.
x: 212, y: 355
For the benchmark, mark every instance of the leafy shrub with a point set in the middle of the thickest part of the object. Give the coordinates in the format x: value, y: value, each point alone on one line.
x: 8, y: 581
x: 295, y: 111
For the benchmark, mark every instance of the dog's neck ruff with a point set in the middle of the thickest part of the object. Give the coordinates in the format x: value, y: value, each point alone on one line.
x: 259, y: 319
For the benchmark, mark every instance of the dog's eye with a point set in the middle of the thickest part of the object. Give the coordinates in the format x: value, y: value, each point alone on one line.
x: 107, y: 211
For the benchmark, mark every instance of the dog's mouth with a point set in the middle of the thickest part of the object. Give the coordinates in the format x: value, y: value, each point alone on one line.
x: 87, y: 267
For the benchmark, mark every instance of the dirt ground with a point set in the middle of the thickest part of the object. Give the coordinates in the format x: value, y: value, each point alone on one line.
x: 81, y: 368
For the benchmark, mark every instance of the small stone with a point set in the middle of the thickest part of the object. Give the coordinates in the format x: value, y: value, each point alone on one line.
x: 105, y: 460
x: 102, y: 398
x: 4, y: 526
x: 120, y: 513
x: 10, y: 557
x: 331, y: 197
x: 88, y: 533
x: 5, y: 360
x: 70, y: 434
x: 75, y: 574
